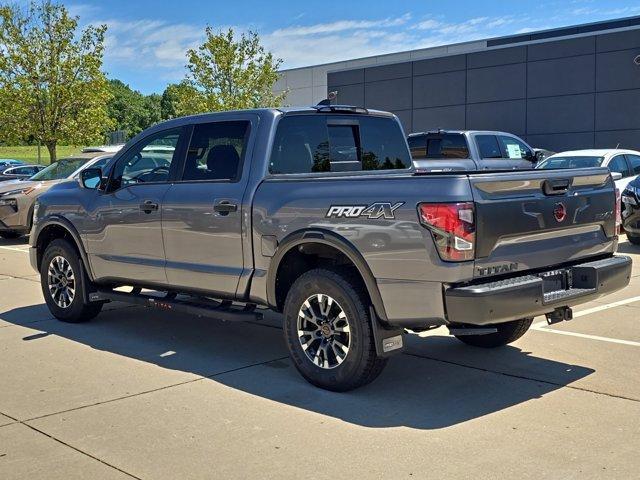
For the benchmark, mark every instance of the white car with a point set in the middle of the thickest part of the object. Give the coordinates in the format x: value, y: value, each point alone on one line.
x: 624, y: 162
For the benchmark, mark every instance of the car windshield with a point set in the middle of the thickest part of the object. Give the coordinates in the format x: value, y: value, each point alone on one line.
x: 60, y: 169
x: 570, y: 162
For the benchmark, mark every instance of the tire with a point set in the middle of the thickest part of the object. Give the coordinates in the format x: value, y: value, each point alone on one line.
x: 335, y: 292
x: 635, y: 239
x: 10, y: 235
x: 507, y: 332
x: 69, y: 308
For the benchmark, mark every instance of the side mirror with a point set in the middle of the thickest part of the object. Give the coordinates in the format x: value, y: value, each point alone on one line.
x: 616, y: 176
x: 538, y: 156
x: 91, y: 177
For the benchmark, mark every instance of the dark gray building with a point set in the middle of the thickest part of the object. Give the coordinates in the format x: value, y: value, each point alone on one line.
x: 576, y: 87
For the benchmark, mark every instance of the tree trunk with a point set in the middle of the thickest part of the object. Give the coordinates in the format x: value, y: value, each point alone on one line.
x: 51, y: 146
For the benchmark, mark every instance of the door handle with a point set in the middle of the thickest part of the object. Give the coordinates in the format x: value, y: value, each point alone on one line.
x: 148, y: 206
x: 224, y: 207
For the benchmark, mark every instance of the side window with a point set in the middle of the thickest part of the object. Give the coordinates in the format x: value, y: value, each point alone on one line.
x: 320, y: 143
x: 514, y: 148
x: 383, y: 144
x: 488, y: 146
x: 635, y: 163
x: 449, y: 145
x: 148, y: 161
x: 418, y: 147
x: 216, y: 151
x: 619, y: 164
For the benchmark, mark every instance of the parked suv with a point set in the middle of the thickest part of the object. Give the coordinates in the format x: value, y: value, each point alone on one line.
x: 17, y: 197
x: 318, y: 213
x: 455, y: 150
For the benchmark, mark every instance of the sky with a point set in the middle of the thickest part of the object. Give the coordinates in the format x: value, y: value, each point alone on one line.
x: 147, y: 40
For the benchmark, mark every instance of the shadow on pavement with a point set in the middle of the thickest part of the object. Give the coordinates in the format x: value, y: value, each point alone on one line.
x: 628, y: 247
x: 14, y: 242
x: 413, y: 391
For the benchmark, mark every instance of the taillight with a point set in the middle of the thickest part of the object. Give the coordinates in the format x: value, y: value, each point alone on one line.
x: 618, y: 211
x: 453, y: 228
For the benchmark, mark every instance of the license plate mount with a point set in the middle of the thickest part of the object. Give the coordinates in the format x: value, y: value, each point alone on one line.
x: 556, y: 281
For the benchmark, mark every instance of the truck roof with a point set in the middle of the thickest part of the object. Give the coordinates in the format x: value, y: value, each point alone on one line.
x: 462, y: 132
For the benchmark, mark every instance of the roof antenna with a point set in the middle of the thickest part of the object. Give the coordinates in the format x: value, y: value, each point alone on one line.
x: 327, y: 101
x: 618, y: 146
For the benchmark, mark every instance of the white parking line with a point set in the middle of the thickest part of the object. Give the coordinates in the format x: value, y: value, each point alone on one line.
x: 542, y: 325
x: 16, y: 249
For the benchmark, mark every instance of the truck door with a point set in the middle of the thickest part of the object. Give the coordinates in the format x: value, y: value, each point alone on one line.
x: 503, y: 152
x: 517, y: 153
x: 202, y: 214
x: 123, y: 230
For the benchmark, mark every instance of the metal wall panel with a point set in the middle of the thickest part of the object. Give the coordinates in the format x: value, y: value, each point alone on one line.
x: 566, y: 114
x: 561, y: 48
x: 561, y: 76
x: 618, y: 110
x: 501, y: 56
x: 388, y: 94
x: 617, y: 71
x: 506, y: 116
x: 439, y: 89
x: 506, y: 82
x: 438, y: 117
x: 440, y: 65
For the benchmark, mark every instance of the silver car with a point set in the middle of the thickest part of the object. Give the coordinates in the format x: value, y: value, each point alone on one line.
x: 17, y: 197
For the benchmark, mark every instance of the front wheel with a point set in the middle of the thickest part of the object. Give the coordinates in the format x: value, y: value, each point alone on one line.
x: 63, y: 285
x: 507, y: 332
x: 328, y: 331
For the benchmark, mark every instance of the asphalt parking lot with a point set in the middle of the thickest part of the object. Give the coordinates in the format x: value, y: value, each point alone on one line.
x: 139, y: 394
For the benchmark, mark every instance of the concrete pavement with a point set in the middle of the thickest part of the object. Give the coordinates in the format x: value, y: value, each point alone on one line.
x: 140, y: 394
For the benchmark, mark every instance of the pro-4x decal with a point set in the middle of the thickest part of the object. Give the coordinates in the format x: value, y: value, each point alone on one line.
x: 374, y: 211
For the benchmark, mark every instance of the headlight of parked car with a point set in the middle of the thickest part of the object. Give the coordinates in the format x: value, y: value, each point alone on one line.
x: 11, y: 202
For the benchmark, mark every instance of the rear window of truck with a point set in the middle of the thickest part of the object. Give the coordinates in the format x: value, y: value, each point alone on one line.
x: 447, y: 145
x: 337, y: 143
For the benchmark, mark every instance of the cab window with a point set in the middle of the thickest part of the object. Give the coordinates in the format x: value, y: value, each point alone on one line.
x: 337, y: 143
x: 216, y: 151
x: 488, y: 146
x: 513, y: 148
x: 147, y: 162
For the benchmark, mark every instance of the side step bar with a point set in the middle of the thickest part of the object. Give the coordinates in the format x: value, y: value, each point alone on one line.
x: 202, y: 307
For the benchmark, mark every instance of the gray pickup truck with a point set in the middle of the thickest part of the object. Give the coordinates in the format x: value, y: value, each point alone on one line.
x: 319, y: 214
x: 470, y: 150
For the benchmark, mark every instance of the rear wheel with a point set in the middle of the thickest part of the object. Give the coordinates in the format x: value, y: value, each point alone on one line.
x: 328, y: 331
x: 63, y: 286
x: 507, y: 332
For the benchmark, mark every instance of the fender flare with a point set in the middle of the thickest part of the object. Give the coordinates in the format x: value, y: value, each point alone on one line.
x: 331, y: 239
x: 68, y: 226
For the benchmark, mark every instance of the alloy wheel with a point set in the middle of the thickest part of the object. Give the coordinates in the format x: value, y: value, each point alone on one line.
x: 323, y: 331
x: 61, y: 282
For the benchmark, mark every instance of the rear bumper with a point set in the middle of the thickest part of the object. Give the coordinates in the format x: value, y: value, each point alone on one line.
x: 524, y: 296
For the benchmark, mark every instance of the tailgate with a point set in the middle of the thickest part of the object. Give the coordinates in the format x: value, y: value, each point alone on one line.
x: 534, y: 219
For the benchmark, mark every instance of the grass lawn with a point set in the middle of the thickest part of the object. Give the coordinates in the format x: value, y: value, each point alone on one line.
x: 29, y: 154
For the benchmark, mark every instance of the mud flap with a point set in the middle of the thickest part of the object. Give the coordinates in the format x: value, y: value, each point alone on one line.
x: 388, y: 340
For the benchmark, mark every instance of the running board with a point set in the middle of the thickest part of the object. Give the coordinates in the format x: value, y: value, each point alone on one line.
x: 221, y: 310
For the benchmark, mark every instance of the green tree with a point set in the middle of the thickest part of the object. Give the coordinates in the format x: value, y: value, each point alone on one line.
x: 52, y: 88
x: 168, y: 102
x: 225, y: 73
x: 130, y: 110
